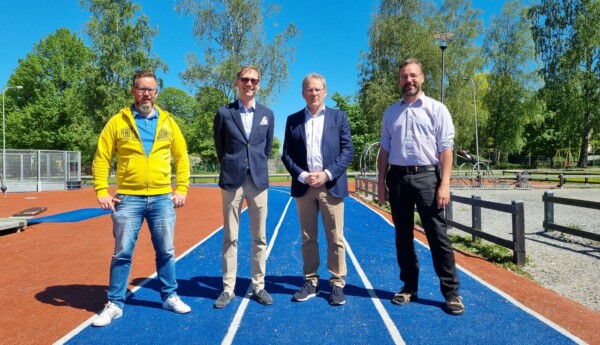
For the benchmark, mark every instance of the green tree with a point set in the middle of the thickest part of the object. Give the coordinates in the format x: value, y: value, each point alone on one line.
x: 362, y: 134
x: 209, y: 99
x: 276, y: 147
x: 51, y: 112
x: 404, y: 29
x: 508, y: 48
x: 567, y: 40
x: 183, y: 107
x: 121, y: 39
x: 231, y: 34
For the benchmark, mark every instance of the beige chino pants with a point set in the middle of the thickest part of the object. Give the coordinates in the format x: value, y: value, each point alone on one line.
x: 257, y: 209
x: 309, y: 205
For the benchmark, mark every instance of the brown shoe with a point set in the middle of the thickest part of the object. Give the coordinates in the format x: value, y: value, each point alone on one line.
x: 403, y: 297
x: 455, y: 306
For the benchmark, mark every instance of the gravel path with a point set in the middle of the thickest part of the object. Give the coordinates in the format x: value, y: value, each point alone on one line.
x: 566, y: 264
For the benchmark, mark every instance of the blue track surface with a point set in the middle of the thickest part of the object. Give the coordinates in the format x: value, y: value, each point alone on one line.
x: 70, y: 217
x: 368, y: 317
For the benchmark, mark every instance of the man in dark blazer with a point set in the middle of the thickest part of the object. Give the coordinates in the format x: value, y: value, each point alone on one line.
x: 317, y: 150
x: 243, y: 133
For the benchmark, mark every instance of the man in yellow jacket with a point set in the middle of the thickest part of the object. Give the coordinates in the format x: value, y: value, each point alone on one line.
x: 144, y: 137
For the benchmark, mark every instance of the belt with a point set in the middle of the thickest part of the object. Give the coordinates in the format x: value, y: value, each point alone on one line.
x: 413, y: 169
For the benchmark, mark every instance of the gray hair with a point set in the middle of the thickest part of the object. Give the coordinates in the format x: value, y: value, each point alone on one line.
x: 311, y: 76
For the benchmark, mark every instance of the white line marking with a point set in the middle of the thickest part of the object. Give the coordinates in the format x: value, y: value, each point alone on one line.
x: 237, y: 319
x: 89, y: 321
x: 531, y: 312
x: 387, y: 320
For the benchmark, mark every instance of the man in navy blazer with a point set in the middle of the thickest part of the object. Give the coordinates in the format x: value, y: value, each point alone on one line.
x: 317, y: 150
x: 243, y: 134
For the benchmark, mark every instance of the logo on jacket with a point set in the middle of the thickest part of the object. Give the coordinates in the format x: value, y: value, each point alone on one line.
x: 163, y: 134
x: 127, y: 133
x: 264, y: 121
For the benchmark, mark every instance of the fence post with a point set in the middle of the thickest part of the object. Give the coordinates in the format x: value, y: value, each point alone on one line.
x: 548, y: 209
x: 518, y: 220
x: 374, y: 189
x: 561, y: 181
x: 449, y: 211
x: 475, y: 216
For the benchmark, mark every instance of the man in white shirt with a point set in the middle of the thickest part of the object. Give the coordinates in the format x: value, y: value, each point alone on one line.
x: 317, y: 150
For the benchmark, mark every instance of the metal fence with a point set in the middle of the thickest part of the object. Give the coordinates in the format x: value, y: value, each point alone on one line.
x: 41, y: 170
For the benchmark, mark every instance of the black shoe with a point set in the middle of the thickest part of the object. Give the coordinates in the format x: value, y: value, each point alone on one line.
x: 403, y: 297
x: 337, y: 296
x: 306, y: 291
x: 262, y: 297
x: 223, y: 300
x: 455, y: 306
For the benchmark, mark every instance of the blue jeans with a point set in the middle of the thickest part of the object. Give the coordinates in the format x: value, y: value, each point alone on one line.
x: 127, y: 220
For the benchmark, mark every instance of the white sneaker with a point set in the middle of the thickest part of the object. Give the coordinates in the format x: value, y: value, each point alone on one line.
x: 175, y: 304
x: 111, y: 311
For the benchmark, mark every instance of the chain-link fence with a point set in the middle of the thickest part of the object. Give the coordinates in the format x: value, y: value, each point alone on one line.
x: 31, y: 171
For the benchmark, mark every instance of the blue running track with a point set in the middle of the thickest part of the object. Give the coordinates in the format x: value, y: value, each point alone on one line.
x: 368, y: 317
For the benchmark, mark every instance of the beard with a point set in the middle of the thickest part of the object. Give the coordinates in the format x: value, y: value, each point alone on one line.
x: 145, y: 108
x: 415, y: 91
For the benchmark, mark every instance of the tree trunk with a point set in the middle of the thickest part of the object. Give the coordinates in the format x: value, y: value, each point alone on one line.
x: 585, y: 142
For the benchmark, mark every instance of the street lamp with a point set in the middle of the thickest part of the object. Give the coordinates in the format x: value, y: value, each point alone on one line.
x: 3, y: 188
x: 443, y: 36
x: 476, y: 137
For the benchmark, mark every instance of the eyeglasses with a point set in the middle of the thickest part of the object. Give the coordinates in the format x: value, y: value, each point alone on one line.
x: 316, y: 91
x: 142, y: 90
x: 245, y: 80
x: 410, y: 76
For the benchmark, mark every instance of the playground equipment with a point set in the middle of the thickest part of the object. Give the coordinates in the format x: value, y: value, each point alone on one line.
x: 562, y: 159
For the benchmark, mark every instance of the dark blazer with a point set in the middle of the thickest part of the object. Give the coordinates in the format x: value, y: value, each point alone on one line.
x: 236, y: 152
x: 336, y: 147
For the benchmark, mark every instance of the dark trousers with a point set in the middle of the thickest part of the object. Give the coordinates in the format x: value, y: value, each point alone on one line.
x: 405, y: 191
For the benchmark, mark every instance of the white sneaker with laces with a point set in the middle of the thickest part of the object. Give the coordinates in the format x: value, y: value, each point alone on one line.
x: 111, y: 311
x: 175, y: 304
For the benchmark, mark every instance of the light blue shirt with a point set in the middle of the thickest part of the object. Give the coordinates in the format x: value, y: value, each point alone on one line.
x: 247, y: 117
x: 415, y: 134
x: 146, y: 126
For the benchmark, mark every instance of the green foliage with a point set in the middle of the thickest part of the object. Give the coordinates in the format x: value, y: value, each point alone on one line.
x: 276, y: 147
x: 567, y: 40
x: 509, y: 50
x: 122, y: 43
x: 494, y: 253
x: 405, y: 29
x: 231, y: 35
x: 363, y: 132
x: 50, y: 112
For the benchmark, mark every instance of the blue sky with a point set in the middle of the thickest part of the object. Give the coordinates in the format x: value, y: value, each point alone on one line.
x: 333, y: 35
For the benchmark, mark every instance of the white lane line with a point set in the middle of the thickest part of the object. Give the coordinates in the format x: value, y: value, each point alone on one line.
x: 387, y: 320
x: 529, y: 311
x: 237, y: 319
x: 89, y: 321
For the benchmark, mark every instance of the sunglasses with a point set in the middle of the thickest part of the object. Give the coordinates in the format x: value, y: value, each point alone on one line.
x: 245, y: 80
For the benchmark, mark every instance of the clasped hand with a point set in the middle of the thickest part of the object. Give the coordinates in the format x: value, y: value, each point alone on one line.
x: 316, y: 179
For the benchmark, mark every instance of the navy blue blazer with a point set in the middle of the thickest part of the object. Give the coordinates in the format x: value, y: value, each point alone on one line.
x: 236, y: 152
x: 336, y: 147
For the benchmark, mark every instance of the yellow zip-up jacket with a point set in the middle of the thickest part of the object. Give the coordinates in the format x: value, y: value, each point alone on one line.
x: 138, y: 174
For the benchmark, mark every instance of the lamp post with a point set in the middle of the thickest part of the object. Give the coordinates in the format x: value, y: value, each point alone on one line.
x: 3, y: 188
x: 443, y: 36
x: 476, y: 136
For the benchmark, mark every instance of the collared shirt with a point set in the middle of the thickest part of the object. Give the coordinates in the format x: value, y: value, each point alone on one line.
x: 146, y: 126
x: 415, y: 134
x: 247, y: 116
x: 313, y: 127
